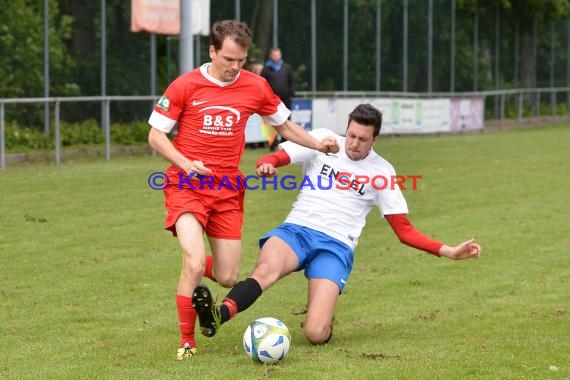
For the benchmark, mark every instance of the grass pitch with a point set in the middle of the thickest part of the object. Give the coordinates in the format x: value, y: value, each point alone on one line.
x: 88, y: 276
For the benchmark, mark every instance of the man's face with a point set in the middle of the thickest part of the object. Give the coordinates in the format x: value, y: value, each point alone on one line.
x: 275, y: 55
x: 228, y: 61
x: 359, y: 140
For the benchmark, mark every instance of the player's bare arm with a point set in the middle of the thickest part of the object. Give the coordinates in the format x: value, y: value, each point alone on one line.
x: 466, y: 250
x: 294, y: 132
x: 160, y: 142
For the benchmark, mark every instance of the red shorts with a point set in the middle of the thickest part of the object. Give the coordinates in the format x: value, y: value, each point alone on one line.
x: 215, y: 201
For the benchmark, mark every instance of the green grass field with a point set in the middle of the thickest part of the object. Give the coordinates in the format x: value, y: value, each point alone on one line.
x: 88, y: 275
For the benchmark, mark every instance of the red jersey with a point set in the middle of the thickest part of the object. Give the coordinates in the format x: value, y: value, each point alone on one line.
x: 212, y: 115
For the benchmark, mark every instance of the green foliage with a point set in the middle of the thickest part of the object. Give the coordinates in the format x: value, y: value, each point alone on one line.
x: 21, y: 48
x: 135, y: 133
x: 18, y: 139
x: 298, y: 76
x: 21, y: 54
x: 87, y: 133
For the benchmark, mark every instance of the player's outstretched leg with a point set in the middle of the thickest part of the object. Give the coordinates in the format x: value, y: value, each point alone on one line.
x: 208, y: 311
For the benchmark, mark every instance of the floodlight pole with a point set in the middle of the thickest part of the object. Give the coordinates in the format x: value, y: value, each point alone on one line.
x: 452, y: 59
x: 46, y: 67
x: 153, y: 64
x: 275, y: 23
x: 186, y: 40
x: 430, y: 45
x: 378, y: 44
x: 345, y: 47
x: 103, y: 61
x: 313, y: 46
x: 405, y: 49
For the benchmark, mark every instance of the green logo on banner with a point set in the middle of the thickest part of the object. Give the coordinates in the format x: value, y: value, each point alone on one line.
x: 395, y: 112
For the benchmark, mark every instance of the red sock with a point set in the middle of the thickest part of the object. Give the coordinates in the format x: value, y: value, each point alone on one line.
x: 208, y: 270
x: 186, y: 320
x: 232, y: 308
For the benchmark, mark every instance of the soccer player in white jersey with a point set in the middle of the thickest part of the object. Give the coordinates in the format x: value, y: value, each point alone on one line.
x: 321, y: 232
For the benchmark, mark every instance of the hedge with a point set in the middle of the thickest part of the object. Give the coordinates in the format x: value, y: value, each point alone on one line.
x: 88, y: 133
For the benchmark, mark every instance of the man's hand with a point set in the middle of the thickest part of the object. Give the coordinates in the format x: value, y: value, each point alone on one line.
x: 266, y: 170
x: 196, y: 167
x: 466, y: 250
x: 328, y: 145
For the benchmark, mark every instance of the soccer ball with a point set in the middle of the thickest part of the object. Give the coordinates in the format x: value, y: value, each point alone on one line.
x: 266, y: 340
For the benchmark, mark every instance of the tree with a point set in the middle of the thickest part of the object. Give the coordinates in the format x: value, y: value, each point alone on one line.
x: 530, y: 14
x: 21, y: 49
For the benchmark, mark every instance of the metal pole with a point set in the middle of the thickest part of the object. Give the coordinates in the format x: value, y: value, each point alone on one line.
x: 153, y: 64
x: 520, y: 109
x: 405, y: 49
x: 497, y: 55
x: 168, y: 38
x: 186, y: 40
x: 430, y: 45
x: 552, y: 92
x: 534, y: 66
x: 103, y: 57
x: 56, y: 135
x: 568, y: 65
x: 378, y: 44
x: 475, y: 52
x: 345, y: 47
x: 313, y: 45
x: 198, y: 47
x: 452, y: 59
x: 46, y: 67
x: 107, y: 103
x: 502, y: 113
x: 516, y: 76
x: 2, y: 143
x: 275, y: 23
x: 516, y: 53
x: 237, y: 9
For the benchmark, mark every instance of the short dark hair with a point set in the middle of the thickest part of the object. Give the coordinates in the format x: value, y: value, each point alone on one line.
x: 238, y: 31
x: 366, y: 114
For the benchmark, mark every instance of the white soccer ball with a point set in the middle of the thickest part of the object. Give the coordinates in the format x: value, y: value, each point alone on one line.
x: 267, y: 340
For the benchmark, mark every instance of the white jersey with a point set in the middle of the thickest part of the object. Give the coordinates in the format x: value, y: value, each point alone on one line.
x: 333, y: 197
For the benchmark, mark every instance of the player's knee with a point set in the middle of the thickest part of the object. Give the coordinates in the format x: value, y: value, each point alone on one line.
x: 227, y: 280
x: 265, y: 273
x: 317, y: 333
x: 192, y: 267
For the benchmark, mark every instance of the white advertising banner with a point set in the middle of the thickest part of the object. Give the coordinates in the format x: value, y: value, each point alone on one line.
x: 399, y: 115
x: 417, y: 116
x: 467, y: 114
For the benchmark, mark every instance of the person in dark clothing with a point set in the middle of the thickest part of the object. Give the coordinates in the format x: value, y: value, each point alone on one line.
x: 279, y: 75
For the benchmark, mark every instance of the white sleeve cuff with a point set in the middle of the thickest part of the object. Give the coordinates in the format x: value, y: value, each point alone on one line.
x: 279, y: 117
x: 161, y: 122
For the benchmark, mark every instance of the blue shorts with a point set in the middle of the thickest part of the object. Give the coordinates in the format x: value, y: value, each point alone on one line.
x: 320, y: 255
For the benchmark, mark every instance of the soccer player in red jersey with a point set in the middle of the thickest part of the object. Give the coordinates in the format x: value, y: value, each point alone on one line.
x: 211, y: 105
